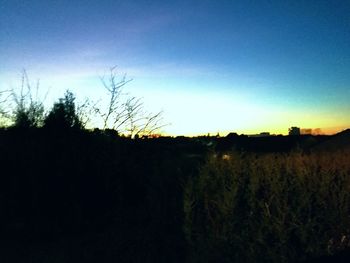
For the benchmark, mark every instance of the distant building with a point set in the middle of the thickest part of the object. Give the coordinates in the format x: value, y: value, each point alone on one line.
x: 152, y: 136
x: 294, y: 131
x: 306, y: 131
x: 316, y: 131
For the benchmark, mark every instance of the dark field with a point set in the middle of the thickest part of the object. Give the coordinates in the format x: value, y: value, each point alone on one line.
x: 81, y: 196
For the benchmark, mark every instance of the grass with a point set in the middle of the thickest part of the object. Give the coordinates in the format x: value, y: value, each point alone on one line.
x: 268, y: 208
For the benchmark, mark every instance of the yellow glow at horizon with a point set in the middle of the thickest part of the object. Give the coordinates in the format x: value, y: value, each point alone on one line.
x: 209, y: 112
x: 194, y: 111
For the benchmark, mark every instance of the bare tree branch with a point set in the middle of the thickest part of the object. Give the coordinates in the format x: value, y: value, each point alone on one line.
x: 114, y: 88
x: 126, y: 113
x: 28, y: 111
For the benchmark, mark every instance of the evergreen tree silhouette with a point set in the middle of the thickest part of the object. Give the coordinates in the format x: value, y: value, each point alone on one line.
x: 63, y: 114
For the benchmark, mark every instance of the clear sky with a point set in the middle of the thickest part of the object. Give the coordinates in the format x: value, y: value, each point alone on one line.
x: 211, y: 66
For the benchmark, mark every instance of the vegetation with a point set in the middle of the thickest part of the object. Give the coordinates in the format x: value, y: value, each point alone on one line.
x: 268, y: 208
x: 27, y: 108
x: 118, y: 111
x: 63, y: 114
x: 69, y: 194
x: 124, y: 113
x: 89, y: 196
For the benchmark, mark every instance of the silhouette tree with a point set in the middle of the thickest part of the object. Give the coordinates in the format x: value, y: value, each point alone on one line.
x: 125, y: 113
x: 138, y: 121
x: 294, y: 131
x: 4, y: 113
x: 86, y: 110
x: 29, y: 109
x: 121, y: 112
x: 63, y: 114
x: 114, y: 114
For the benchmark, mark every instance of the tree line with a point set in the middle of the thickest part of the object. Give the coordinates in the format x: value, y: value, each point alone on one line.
x: 118, y: 110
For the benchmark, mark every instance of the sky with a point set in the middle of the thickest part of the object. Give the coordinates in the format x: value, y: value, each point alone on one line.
x: 210, y: 66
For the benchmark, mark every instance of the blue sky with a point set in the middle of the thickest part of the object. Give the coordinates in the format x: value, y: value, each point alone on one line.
x: 211, y: 66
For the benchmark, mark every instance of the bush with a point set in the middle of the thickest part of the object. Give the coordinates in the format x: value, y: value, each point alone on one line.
x: 63, y: 114
x: 268, y: 208
x: 28, y: 110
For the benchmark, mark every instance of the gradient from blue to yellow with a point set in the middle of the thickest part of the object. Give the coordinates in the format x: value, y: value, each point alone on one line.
x: 211, y: 66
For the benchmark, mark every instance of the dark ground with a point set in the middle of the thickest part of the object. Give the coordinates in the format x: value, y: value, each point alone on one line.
x: 82, y: 196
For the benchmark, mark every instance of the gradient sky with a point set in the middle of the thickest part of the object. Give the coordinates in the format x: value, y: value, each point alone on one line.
x: 211, y: 66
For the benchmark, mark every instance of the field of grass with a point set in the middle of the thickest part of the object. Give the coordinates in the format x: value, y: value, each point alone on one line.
x: 268, y: 208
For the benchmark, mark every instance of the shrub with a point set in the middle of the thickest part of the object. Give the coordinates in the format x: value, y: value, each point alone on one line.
x: 63, y: 114
x: 28, y: 109
x: 268, y: 208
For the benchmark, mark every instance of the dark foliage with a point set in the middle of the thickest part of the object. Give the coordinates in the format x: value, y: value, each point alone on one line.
x: 63, y: 114
x: 244, y: 207
x: 91, y: 197
x: 84, y: 196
